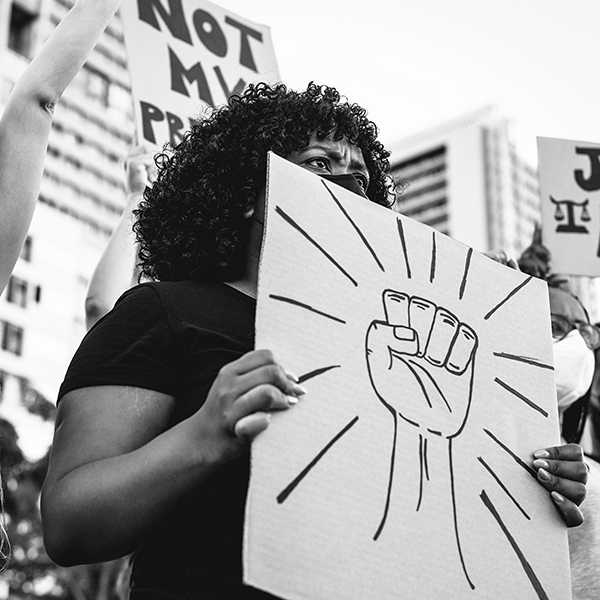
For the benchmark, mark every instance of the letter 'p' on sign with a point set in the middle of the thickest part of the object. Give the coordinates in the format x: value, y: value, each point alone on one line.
x: 186, y: 56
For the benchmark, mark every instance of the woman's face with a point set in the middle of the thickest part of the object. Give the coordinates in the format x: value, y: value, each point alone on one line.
x: 326, y: 157
x: 332, y: 157
x: 562, y: 303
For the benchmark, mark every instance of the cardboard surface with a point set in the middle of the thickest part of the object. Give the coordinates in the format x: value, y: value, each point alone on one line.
x: 186, y: 55
x: 569, y: 173
x: 399, y: 475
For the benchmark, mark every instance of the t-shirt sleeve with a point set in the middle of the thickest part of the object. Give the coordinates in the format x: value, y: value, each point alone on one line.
x: 132, y: 345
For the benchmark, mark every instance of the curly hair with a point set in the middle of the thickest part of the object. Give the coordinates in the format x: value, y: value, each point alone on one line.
x: 191, y: 224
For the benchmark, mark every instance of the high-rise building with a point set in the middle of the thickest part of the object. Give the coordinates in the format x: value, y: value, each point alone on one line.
x: 466, y: 180
x: 81, y: 198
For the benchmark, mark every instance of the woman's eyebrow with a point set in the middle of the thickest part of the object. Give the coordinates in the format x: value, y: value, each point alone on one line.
x: 336, y: 154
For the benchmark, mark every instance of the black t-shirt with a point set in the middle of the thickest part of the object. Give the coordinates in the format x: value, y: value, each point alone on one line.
x: 174, y: 338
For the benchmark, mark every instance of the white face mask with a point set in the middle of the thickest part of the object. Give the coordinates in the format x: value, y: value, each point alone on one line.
x: 573, y: 369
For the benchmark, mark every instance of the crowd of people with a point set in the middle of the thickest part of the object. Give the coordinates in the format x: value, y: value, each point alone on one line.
x: 164, y: 396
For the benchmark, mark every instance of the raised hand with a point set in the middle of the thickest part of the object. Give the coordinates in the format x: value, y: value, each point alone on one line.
x: 421, y: 361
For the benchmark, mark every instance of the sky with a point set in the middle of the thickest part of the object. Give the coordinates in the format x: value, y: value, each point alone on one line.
x: 419, y: 63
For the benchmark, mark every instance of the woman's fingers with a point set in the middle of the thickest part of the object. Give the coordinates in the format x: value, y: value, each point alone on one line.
x: 558, y: 477
x: 262, y: 398
x: 570, y: 511
x: 272, y: 374
x: 563, y: 462
x: 561, y: 470
x: 250, y: 361
x: 254, y: 384
x: 250, y: 426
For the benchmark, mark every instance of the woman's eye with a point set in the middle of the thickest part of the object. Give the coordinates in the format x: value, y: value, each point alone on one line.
x: 320, y: 163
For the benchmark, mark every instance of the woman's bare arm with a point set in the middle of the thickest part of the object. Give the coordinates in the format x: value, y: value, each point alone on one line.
x: 116, y: 270
x: 116, y: 469
x: 25, y: 124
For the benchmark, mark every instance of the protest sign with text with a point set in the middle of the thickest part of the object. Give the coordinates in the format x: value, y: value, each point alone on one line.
x: 186, y: 56
x: 569, y: 174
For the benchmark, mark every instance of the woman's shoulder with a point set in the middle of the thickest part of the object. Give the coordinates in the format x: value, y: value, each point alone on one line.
x: 189, y: 301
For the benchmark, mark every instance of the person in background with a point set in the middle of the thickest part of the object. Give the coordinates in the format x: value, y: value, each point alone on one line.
x: 27, y: 120
x: 576, y: 343
x: 165, y: 393
x: 576, y: 339
x: 594, y: 411
x: 116, y: 270
x: 25, y: 128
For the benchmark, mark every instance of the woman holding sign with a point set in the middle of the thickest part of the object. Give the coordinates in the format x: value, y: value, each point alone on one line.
x: 160, y: 402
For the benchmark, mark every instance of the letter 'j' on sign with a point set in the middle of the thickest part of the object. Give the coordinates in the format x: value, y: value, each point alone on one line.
x: 569, y: 173
x: 186, y: 55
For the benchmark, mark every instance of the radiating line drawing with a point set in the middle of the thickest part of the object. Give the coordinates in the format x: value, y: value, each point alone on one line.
x: 316, y: 372
x: 433, y: 257
x: 463, y: 283
x: 503, y: 486
x: 403, y: 244
x: 535, y: 582
x: 306, y: 307
x: 514, y: 456
x: 524, y: 359
x: 361, y: 235
x: 282, y: 497
x: 508, y: 297
x: 326, y: 254
x: 521, y: 396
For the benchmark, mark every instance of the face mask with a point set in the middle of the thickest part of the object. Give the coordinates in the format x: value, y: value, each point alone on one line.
x: 347, y: 181
x: 573, y: 369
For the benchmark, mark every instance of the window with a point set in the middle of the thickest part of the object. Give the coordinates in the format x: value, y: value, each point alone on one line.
x: 97, y: 87
x: 26, y: 251
x: 20, y: 37
x: 12, y: 338
x: 17, y: 291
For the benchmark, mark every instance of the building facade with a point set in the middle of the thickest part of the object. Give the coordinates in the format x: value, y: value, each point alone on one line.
x: 42, y: 317
x: 466, y: 180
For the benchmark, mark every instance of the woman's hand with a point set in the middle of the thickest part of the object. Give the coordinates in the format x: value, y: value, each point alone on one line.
x: 563, y: 472
x: 503, y: 258
x: 239, y: 404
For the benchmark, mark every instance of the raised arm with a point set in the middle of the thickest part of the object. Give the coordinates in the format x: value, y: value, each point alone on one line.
x: 25, y: 124
x: 116, y: 270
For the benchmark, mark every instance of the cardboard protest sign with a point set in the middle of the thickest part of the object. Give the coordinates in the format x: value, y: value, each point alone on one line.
x: 404, y: 472
x: 569, y: 173
x: 185, y: 56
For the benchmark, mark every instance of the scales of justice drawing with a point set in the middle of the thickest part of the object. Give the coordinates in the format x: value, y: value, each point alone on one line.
x: 569, y: 176
x: 405, y: 471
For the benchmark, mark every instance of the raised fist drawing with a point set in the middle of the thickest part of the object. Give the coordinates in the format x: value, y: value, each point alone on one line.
x: 420, y: 362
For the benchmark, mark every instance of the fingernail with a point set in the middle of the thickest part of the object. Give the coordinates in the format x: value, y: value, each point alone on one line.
x: 300, y: 390
x: 291, y: 376
x: 292, y: 399
x: 541, y: 454
x: 544, y: 475
x: 557, y: 497
x: 541, y: 464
